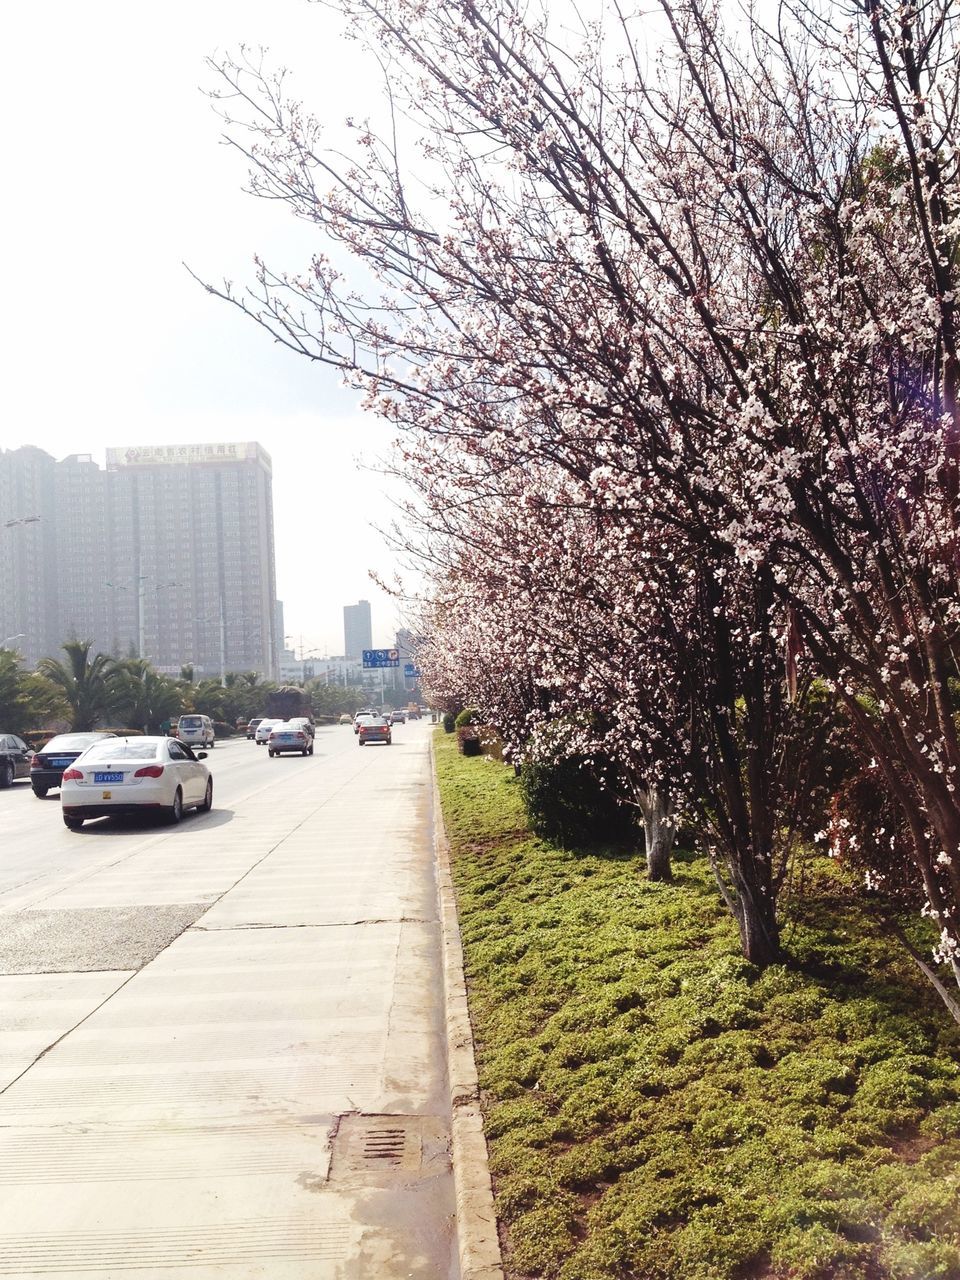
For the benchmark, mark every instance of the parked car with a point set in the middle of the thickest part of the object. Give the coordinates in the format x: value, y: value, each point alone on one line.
x: 262, y: 732
x: 304, y: 723
x: 130, y: 775
x: 14, y: 759
x: 397, y: 717
x: 196, y: 731
x: 47, y: 764
x: 346, y: 718
x: 252, y: 726
x: 289, y: 736
x: 375, y: 729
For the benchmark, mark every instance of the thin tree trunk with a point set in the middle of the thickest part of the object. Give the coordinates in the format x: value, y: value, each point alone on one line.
x: 659, y: 831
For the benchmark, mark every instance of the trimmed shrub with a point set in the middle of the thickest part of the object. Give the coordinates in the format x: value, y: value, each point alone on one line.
x: 566, y: 802
x: 449, y: 722
x: 468, y: 716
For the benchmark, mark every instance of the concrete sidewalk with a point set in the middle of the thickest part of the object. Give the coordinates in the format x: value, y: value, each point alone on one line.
x: 268, y: 1096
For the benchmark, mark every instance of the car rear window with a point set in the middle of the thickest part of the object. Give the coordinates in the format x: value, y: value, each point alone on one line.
x: 190, y: 722
x: 121, y: 750
x: 72, y: 741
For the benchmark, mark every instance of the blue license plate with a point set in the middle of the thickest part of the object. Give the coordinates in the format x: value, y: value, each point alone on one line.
x: 61, y: 764
x: 108, y: 777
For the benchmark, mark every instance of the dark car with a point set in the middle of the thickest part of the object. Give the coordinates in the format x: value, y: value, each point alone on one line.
x: 374, y: 729
x: 48, y: 764
x: 14, y: 758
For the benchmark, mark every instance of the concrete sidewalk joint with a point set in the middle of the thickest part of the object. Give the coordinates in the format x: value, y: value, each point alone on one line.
x: 477, y: 1237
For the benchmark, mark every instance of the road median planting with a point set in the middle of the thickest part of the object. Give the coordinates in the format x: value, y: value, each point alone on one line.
x: 657, y: 1107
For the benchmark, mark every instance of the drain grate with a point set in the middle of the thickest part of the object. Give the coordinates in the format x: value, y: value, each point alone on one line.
x: 386, y: 1145
x: 368, y: 1148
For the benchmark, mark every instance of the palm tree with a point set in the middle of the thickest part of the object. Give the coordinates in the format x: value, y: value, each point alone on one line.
x: 143, y: 696
x: 207, y: 698
x: 27, y: 701
x: 86, y: 684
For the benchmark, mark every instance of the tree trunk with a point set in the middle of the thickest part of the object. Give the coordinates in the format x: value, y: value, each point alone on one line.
x: 659, y: 831
x: 759, y: 933
x: 752, y: 903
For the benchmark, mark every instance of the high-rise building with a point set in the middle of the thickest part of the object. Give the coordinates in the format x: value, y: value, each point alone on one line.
x: 168, y: 553
x: 193, y: 537
x: 28, y: 553
x: 357, y: 628
x: 85, y: 604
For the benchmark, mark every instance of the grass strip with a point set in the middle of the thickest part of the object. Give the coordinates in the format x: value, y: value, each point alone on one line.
x: 658, y: 1108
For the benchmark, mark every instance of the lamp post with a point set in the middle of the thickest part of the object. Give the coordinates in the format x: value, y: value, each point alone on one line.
x: 14, y: 523
x: 223, y: 641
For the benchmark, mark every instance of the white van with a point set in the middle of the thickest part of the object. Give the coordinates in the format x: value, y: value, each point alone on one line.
x: 196, y: 731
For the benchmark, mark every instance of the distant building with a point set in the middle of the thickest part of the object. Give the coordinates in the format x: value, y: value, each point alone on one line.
x: 168, y: 553
x: 357, y: 629
x: 28, y: 553
x: 193, y: 536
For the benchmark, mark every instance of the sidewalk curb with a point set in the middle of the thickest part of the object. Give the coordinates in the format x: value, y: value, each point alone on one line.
x: 477, y: 1239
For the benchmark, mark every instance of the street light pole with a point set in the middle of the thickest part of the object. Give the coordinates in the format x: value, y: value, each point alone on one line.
x: 141, y: 621
x: 18, y: 610
x: 223, y: 647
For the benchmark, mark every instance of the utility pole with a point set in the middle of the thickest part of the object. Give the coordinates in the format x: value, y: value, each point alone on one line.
x: 223, y: 646
x: 141, y: 621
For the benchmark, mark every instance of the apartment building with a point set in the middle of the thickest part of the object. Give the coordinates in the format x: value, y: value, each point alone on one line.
x: 168, y: 553
x: 357, y: 628
x: 28, y: 552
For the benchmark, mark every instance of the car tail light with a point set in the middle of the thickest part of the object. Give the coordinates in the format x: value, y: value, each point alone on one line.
x: 73, y: 775
x: 150, y: 771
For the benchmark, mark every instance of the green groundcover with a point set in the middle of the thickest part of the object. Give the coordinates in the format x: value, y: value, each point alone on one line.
x: 657, y: 1107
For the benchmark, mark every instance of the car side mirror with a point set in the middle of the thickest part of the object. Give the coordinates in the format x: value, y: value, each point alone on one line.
x: 201, y: 755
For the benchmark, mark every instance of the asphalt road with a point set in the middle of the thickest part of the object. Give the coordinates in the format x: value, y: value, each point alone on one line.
x: 37, y: 851
x: 222, y: 1044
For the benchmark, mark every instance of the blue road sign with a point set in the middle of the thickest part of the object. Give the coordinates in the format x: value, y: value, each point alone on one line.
x: 410, y: 670
x: 374, y: 658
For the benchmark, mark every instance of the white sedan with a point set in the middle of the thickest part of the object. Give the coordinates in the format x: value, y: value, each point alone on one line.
x: 264, y: 729
x: 129, y: 775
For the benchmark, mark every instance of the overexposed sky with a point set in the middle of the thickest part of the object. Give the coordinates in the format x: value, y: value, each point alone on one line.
x: 114, y: 176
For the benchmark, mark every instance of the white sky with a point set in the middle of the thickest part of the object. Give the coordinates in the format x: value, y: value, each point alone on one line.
x: 114, y: 176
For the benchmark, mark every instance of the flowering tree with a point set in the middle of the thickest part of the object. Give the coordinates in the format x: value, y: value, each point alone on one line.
x: 654, y: 661
x: 718, y: 295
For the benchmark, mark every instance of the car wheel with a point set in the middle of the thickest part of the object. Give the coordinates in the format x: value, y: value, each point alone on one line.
x: 6, y: 774
x: 175, y: 812
x: 310, y: 750
x: 71, y: 822
x: 40, y: 792
x: 207, y: 803
x: 270, y: 753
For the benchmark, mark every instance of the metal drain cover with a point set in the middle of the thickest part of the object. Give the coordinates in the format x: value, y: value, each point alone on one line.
x: 377, y: 1149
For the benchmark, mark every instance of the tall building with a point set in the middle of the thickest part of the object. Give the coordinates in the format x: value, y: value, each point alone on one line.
x: 85, y: 607
x: 168, y: 553
x: 28, y: 553
x: 194, y: 555
x: 357, y: 628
